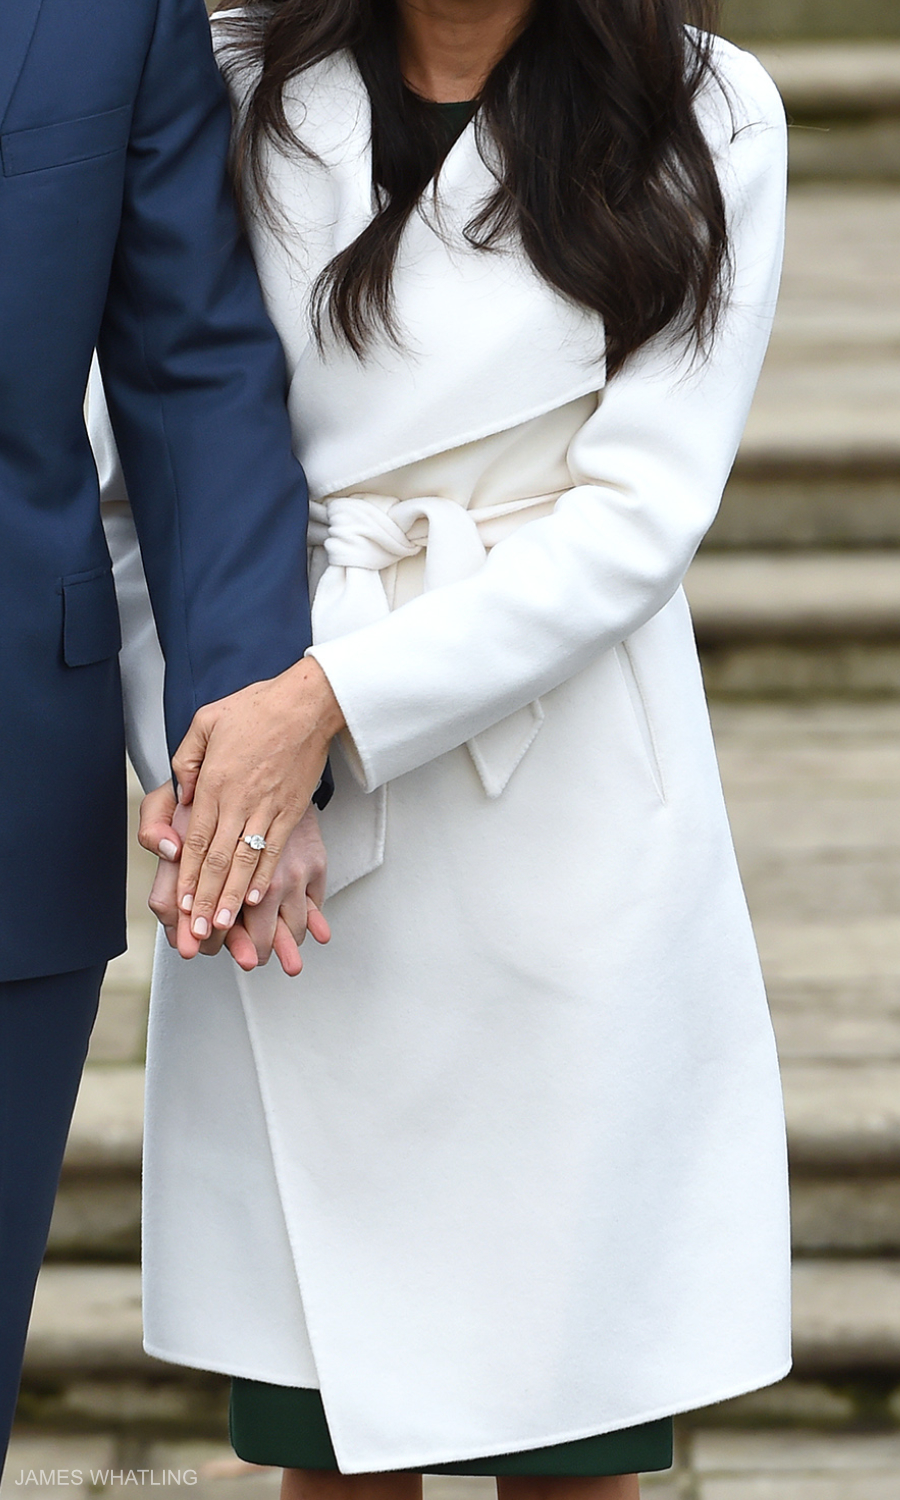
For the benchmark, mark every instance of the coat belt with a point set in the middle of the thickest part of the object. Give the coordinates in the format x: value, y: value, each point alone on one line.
x: 361, y: 536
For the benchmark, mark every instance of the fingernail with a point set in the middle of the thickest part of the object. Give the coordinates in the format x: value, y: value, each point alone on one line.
x: 224, y: 918
x: 254, y: 898
x: 167, y: 849
x: 187, y: 901
x: 200, y: 928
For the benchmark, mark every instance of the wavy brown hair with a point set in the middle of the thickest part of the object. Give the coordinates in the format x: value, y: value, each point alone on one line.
x: 588, y: 125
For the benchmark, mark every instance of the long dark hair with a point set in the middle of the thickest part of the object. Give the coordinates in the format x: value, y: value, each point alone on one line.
x: 588, y: 122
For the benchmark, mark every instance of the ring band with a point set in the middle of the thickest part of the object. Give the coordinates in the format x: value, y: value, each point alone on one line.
x: 255, y: 840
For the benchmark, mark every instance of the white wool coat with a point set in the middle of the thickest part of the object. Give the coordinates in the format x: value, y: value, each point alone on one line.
x: 505, y: 1166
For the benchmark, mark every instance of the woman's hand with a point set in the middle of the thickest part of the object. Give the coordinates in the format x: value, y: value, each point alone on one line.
x: 293, y: 903
x: 279, y: 924
x: 249, y: 765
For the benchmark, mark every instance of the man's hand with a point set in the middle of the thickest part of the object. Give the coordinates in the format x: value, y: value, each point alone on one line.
x: 279, y: 924
x: 156, y: 833
x: 249, y: 764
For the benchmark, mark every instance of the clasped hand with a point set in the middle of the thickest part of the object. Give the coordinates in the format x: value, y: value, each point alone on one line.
x: 248, y: 765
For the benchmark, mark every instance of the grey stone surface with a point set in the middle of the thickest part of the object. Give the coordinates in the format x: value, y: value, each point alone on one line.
x: 793, y: 1452
x: 794, y: 1402
x: 94, y: 1219
x: 879, y: 1485
x: 802, y: 669
x: 107, y: 1127
x: 747, y: 595
x: 846, y: 1315
x: 55, y: 1467
x: 843, y: 1115
x: 813, y: 793
x: 219, y: 1476
x: 830, y: 386
x: 846, y: 1216
x: 858, y: 151
x: 795, y: 1466
x: 777, y: 19
x: 791, y: 507
x: 120, y: 1031
x: 87, y: 1319
x: 139, y: 1406
x: 835, y: 78
x: 843, y: 104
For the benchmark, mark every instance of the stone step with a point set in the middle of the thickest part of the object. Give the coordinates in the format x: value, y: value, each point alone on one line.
x: 777, y: 20
x: 828, y: 80
x: 86, y: 1324
x: 751, y: 595
x: 799, y: 500
x: 845, y: 1115
x: 843, y: 1126
x: 813, y: 793
x: 843, y: 105
x: 795, y: 624
x: 783, y: 625
x: 820, y: 461
x: 98, y: 1207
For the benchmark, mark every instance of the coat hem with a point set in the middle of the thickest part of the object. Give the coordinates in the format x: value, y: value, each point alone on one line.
x: 673, y: 1408
x: 211, y: 1367
x: 669, y: 1409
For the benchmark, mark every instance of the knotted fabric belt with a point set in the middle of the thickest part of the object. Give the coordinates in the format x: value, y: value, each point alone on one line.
x: 361, y: 535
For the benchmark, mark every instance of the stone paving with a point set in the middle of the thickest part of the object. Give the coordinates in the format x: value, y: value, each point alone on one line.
x: 710, y: 1465
x: 831, y: 383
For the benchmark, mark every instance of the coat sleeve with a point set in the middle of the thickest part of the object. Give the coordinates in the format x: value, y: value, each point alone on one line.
x: 648, y: 471
x: 195, y: 379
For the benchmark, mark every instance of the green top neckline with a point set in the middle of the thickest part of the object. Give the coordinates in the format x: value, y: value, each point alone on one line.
x: 450, y: 119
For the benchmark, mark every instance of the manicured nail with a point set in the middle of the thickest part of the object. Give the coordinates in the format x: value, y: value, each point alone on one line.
x: 167, y: 849
x: 224, y: 918
x: 200, y: 928
x: 254, y: 898
x: 187, y: 901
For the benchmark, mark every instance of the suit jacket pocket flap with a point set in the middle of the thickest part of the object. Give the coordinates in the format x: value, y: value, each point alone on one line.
x: 91, y: 630
x: 69, y: 141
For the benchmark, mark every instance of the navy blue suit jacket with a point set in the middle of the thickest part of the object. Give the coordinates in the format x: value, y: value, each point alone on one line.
x: 117, y: 229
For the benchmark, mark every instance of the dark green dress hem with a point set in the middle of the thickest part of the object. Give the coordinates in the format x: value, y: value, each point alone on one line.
x: 286, y: 1426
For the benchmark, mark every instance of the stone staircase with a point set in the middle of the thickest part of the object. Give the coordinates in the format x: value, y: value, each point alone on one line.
x: 796, y: 597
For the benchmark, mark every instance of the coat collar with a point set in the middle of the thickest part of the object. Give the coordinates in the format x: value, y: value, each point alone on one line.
x: 486, y: 343
x: 17, y: 23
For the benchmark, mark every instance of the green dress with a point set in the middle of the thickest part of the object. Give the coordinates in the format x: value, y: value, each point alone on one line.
x: 286, y: 1426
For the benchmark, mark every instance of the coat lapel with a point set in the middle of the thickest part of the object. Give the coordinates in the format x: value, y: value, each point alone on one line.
x: 17, y: 23
x: 486, y: 343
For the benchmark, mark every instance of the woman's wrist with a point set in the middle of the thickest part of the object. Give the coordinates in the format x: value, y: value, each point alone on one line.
x: 314, y: 695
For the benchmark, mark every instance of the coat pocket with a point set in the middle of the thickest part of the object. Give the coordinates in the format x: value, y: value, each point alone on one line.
x: 68, y: 141
x: 641, y: 716
x: 91, y: 629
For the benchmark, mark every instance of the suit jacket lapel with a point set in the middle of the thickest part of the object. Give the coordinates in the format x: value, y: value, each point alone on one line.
x: 17, y: 23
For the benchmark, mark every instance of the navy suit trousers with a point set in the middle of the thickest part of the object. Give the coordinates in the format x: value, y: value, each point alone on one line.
x: 45, y: 1026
